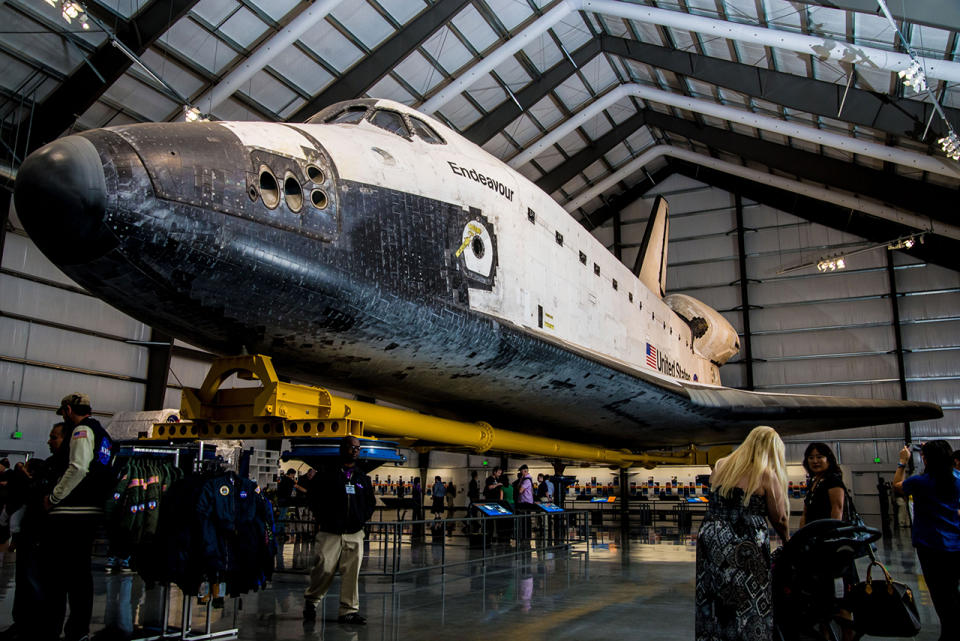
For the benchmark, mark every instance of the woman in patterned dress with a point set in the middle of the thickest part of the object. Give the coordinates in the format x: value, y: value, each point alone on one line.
x: 747, y: 488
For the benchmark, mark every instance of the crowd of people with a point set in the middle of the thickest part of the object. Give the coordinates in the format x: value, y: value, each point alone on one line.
x: 748, y: 491
x: 42, y: 499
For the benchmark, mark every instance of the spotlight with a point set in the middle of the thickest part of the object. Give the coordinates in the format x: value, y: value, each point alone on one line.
x: 913, y: 76
x: 841, y: 264
x: 192, y: 114
x: 951, y: 145
x: 908, y: 243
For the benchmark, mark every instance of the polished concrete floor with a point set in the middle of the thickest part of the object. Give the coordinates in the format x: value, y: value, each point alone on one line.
x: 640, y: 591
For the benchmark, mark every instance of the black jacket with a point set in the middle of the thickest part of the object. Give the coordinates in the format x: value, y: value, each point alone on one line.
x: 336, y: 510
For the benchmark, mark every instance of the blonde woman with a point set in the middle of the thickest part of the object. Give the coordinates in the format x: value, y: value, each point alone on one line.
x: 747, y: 489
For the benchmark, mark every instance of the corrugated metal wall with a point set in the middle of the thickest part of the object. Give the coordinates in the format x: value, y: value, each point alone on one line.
x: 814, y: 333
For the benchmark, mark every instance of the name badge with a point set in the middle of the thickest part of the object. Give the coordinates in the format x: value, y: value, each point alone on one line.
x: 350, y: 489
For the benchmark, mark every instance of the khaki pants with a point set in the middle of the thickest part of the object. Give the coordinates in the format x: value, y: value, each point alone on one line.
x: 342, y: 552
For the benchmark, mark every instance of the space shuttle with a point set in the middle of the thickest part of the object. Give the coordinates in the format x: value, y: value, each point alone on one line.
x: 374, y: 250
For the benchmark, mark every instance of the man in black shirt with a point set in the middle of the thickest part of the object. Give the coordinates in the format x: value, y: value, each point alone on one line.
x: 493, y: 487
x: 342, y: 500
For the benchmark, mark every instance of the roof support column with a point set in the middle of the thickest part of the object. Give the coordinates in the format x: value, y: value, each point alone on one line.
x: 898, y: 338
x: 744, y: 294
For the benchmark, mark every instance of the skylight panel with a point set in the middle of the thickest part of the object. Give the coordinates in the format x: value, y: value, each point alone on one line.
x: 827, y: 21
x: 741, y: 11
x: 682, y: 40
x: 460, y: 112
x: 402, y: 10
x: 291, y: 108
x: 364, y: 22
x: 331, y: 45
x: 743, y: 129
x: 140, y: 99
x: 791, y: 62
x: 572, y: 32
x: 572, y: 92
x: 268, y: 91
x: 621, y: 110
x: 596, y: 126
x: 699, y: 88
x: 474, y: 28
x: 447, y: 49
x: 574, y: 184
x: 952, y: 98
x: 599, y: 74
x: 419, y: 73
x: 390, y: 89
x: 752, y: 54
x: 543, y: 53
x: 717, y: 48
x: 640, y: 139
x: 615, y: 26
x: 14, y: 72
x: 595, y: 171
x: 512, y: 73
x: 199, y: 45
x: 549, y: 160
x: 215, y: 11
x: 500, y: 147
x: 510, y: 12
x: 703, y: 8
x: 770, y: 136
x: 733, y: 98
x: 872, y: 30
x: 243, y: 27
x: 530, y: 172
x: 276, y: 9
x: 641, y: 71
x: 184, y: 81
x: 546, y: 112
x: 783, y: 14
x: 522, y: 130
x: 487, y: 92
x: 232, y: 109
x: 714, y: 122
x: 929, y: 40
x: 648, y: 33
x: 299, y: 69
x: 617, y: 155
x: 831, y: 71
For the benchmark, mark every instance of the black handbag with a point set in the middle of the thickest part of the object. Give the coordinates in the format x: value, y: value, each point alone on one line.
x: 883, y: 608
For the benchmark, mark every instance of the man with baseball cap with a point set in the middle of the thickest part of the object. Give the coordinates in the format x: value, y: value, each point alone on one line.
x: 81, y: 467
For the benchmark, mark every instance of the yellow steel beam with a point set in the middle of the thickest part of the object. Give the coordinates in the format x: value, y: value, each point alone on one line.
x: 277, y: 410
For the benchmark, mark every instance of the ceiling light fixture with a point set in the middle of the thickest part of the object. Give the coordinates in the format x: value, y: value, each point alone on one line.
x: 836, y: 263
x: 914, y: 76
x: 71, y: 11
x: 192, y: 114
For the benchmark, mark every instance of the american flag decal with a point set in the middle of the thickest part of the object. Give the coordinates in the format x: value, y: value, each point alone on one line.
x: 651, y: 356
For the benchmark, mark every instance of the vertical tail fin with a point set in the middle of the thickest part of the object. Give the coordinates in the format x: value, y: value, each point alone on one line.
x: 651, y: 264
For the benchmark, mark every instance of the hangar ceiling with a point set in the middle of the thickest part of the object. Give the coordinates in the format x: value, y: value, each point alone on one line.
x: 570, y: 92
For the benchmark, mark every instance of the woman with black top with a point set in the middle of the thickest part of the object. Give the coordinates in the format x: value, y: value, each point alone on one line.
x: 825, y: 499
x: 825, y: 489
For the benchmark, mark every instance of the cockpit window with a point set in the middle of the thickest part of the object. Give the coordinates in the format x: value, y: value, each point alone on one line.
x: 391, y: 121
x: 425, y: 131
x: 350, y: 115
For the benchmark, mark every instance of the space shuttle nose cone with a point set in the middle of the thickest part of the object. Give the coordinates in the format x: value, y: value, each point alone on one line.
x: 61, y: 197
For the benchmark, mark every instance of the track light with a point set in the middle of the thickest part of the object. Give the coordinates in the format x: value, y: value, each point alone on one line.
x: 914, y: 77
x: 905, y: 243
x: 71, y: 11
x: 831, y: 264
x: 951, y: 145
x: 192, y: 114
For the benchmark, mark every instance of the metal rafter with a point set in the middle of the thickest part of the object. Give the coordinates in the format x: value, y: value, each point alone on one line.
x: 83, y: 87
x: 381, y: 61
x: 935, y: 249
x: 617, y: 203
x: 871, y: 109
